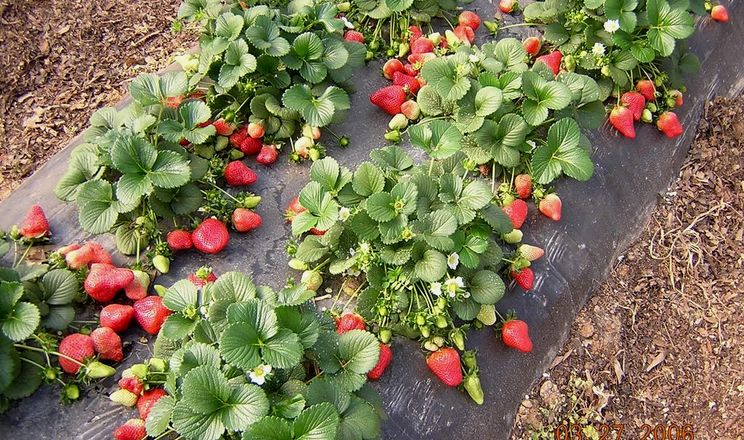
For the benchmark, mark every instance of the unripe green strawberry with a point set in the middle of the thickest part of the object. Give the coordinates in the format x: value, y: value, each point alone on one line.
x: 441, y: 322
x: 469, y: 360
x: 652, y: 107
x: 385, y: 335
x: 236, y: 154
x: 344, y: 7
x: 156, y: 364
x: 98, y: 370
x: 435, y: 38
x: 221, y: 143
x: 605, y: 70
x: 393, y: 136
x: 472, y: 385
x: 297, y: 264
x: 487, y: 314
x: 398, y: 122
x: 513, y: 237
x: 124, y: 397
x: 311, y: 279
x: 403, y: 49
x: 139, y: 370
x: 647, y: 116
x: 458, y: 338
x: 430, y: 346
x: 425, y: 331
x: 161, y: 263
x: 72, y: 392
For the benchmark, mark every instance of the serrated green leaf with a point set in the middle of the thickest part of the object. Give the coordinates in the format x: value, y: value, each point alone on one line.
x: 486, y: 287
x: 368, y: 180
x: 358, y: 351
x: 381, y: 207
x: 431, y: 267
x: 283, y: 350
x: 27, y: 380
x: 159, y: 417
x: 318, y: 422
x: 21, y: 322
x: 60, y: 286
x: 440, y: 139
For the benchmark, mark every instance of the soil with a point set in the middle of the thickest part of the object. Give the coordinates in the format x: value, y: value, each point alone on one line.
x: 662, y: 341
x: 62, y: 60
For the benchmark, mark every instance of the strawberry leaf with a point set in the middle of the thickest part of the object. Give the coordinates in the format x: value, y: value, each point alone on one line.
x: 269, y: 428
x: 21, y: 322
x: 28, y: 379
x: 238, y: 63
x: 10, y: 363
x: 440, y: 139
x: 97, y: 209
x: 177, y: 327
x: 59, y: 287
x: 160, y: 415
x: 265, y: 35
x: 486, y: 287
x: 317, y: 111
x: 181, y: 295
x: 562, y: 153
x: 442, y: 74
x: 318, y: 422
x: 368, y: 180
x: 380, y: 207
x: 358, y: 351
x: 431, y: 267
x: 150, y: 89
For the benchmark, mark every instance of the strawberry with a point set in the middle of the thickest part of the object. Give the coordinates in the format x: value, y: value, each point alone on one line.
x: 76, y: 346
x: 524, y: 277
x: 445, y: 364
x: 550, y: 206
x: 293, y: 209
x: 349, y: 321
x: 316, y: 231
x: 515, y: 334
x: 133, y: 384
x: 35, y: 224
x: 422, y: 45
x: 64, y: 250
x: 179, y: 240
x: 410, y: 110
x: 622, y: 119
x: 238, y: 136
x: 517, y: 212
x: 389, y: 98
x: 646, y: 88
x: 173, y: 101
x: 245, y: 220
x: 352, y: 35
x: 79, y: 258
x: 409, y: 83
x: 105, y: 280
x: 137, y: 289
x: 419, y: 59
x: 148, y: 400
x: 415, y: 32
x: 251, y: 146
x: 303, y: 145
x: 184, y: 142
x: 635, y: 102
x: 117, y: 317
x: 210, y: 236
x: 150, y: 313
x: 267, y: 155
x: 223, y: 128
x: 410, y: 70
x: 203, y: 276
x: 669, y: 124
x: 124, y: 397
x: 386, y: 356
x: 256, y: 130
x: 469, y: 18
x: 133, y: 429
x: 532, y: 45
x: 392, y: 66
x: 238, y: 174
x: 531, y: 253
x: 552, y: 60
x: 719, y: 13
x: 523, y: 185
x: 464, y: 33
x: 100, y: 255
x: 107, y: 344
x: 507, y: 6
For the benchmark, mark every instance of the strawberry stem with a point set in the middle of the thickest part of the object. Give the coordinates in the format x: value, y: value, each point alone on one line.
x: 55, y: 353
x: 23, y: 257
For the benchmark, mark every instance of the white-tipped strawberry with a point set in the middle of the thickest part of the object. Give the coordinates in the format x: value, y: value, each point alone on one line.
x: 311, y: 132
x: 410, y: 109
x: 255, y: 130
x: 124, y: 397
x: 398, y: 122
x: 531, y: 253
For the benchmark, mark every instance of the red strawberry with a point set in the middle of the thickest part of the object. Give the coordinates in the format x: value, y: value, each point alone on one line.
x: 531, y: 253
x: 223, y: 127
x: 76, y: 346
x: 386, y: 356
x: 635, y: 102
x: 293, y: 209
x: 256, y: 130
x: 268, y: 155
x: 464, y: 33
x: 679, y: 99
x: 137, y: 289
x: 507, y: 6
x: 389, y: 98
x: 133, y: 384
x: 245, y: 220
x: 719, y: 13
x: 210, y: 236
x: 148, y: 400
x: 64, y: 250
x: 203, y: 276
x: 646, y: 88
x: 100, y: 255
x: 515, y: 334
x: 316, y: 231
x: 408, y: 82
x: 532, y: 45
x: 352, y: 35
x: 517, y: 212
x: 419, y: 59
x: 117, y: 317
x: 251, y: 146
x: 410, y: 70
x: 238, y: 174
x: 150, y: 313
x: 445, y: 364
x: 550, y: 206
x: 79, y: 258
x: 179, y: 240
x: 469, y: 18
x: 35, y: 225
x: 173, y: 101
x: 349, y: 321
x: 484, y: 169
x: 238, y: 137
x: 415, y: 33
x: 523, y: 185
x: 391, y: 66
x: 669, y: 124
x: 107, y: 344
x: 422, y: 45
x: 133, y: 429
x: 105, y: 280
x: 622, y: 119
x: 552, y: 60
x: 525, y: 278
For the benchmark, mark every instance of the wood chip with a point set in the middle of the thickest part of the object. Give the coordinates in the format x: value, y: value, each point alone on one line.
x: 657, y: 360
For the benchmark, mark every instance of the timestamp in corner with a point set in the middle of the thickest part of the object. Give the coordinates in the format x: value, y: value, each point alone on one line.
x: 618, y: 431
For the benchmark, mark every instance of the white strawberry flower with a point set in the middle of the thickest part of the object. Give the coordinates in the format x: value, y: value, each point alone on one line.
x: 612, y: 26
x: 598, y: 49
x: 347, y: 23
x: 436, y: 289
x: 453, y: 260
x: 452, y: 285
x: 258, y: 374
x: 344, y: 213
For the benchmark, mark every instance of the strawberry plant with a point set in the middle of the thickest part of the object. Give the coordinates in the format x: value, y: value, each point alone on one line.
x: 245, y: 359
